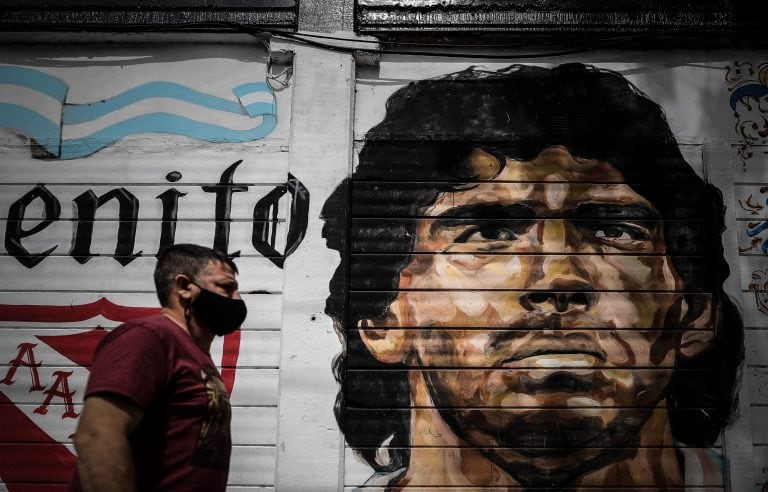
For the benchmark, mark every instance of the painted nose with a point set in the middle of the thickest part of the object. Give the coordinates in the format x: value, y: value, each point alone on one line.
x: 558, y: 302
x: 561, y: 237
x: 563, y: 285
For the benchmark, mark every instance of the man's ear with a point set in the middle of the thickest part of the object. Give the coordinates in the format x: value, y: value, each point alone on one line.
x: 384, y: 338
x: 699, y: 320
x: 183, y: 285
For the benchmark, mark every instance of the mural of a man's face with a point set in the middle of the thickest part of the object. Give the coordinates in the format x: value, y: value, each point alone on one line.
x: 548, y: 315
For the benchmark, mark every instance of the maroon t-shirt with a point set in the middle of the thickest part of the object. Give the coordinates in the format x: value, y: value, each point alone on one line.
x: 183, y: 442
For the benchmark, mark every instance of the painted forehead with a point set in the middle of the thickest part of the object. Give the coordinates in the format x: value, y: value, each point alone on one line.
x: 555, y: 180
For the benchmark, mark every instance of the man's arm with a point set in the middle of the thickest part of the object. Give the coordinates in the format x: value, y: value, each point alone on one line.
x: 105, y: 462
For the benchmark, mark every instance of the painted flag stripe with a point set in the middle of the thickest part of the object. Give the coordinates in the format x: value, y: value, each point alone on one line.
x: 48, y: 107
x: 32, y: 124
x: 31, y: 102
x: 34, y: 79
x: 163, y: 123
x: 74, y: 114
x: 160, y: 106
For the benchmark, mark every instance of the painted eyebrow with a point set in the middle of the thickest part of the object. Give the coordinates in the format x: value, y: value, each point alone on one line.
x: 458, y: 216
x: 612, y: 211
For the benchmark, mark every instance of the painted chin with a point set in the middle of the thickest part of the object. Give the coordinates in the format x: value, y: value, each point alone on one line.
x: 550, y: 438
x: 553, y: 467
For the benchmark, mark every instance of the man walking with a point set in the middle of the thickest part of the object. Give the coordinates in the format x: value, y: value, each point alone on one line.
x: 156, y: 413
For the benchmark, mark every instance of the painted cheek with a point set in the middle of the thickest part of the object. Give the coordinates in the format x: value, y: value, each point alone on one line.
x: 467, y: 276
x: 470, y: 386
x: 639, y: 272
x: 435, y: 348
x: 651, y: 272
x: 428, y: 308
x: 651, y: 309
x: 620, y: 347
x: 471, y: 303
x: 507, y: 306
x: 467, y: 264
x: 668, y: 277
x: 630, y: 349
x: 606, y: 272
x: 478, y: 271
x: 469, y: 348
x: 618, y: 309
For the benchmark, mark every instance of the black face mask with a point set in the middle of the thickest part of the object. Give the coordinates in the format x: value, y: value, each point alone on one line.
x: 222, y: 315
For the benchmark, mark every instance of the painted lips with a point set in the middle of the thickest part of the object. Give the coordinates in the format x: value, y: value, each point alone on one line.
x: 557, y: 360
x: 554, y: 359
x: 549, y: 349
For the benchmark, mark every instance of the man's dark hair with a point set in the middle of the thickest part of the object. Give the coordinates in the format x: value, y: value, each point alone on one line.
x: 186, y: 259
x: 419, y: 151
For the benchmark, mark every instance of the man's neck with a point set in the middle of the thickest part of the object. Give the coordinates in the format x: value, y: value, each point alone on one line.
x: 202, y: 337
x: 654, y: 463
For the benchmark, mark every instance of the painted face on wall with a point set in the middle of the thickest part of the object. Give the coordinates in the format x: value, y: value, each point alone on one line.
x: 545, y: 313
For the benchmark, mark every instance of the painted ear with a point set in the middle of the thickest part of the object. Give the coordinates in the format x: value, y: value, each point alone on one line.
x: 699, y: 320
x: 388, y: 345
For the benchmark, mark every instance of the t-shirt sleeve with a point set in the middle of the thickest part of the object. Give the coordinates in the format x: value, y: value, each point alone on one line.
x: 129, y: 363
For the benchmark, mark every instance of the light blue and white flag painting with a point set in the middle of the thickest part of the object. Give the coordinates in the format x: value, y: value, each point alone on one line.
x: 34, y: 103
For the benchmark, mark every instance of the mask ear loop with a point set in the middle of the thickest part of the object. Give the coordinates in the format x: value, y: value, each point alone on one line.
x: 188, y: 302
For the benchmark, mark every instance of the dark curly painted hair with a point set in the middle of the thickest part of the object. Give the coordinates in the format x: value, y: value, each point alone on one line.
x: 417, y: 152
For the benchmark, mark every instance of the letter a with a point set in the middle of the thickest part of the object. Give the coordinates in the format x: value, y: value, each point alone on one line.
x: 25, y: 358
x: 62, y: 380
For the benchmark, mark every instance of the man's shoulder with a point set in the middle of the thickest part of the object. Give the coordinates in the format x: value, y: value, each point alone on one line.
x: 153, y: 322
x: 155, y: 328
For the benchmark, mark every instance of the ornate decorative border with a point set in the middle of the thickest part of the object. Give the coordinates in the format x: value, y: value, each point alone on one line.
x: 748, y: 85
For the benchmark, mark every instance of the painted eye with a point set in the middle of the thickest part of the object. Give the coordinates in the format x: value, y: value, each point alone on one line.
x: 613, y: 233
x: 621, y: 232
x: 486, y: 233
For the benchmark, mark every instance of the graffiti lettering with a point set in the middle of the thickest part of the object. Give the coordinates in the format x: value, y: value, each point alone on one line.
x: 14, y: 233
x: 170, y: 201
x: 59, y: 388
x: 86, y: 205
x: 264, y: 237
x: 26, y: 358
x: 224, y: 190
x: 264, y: 230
